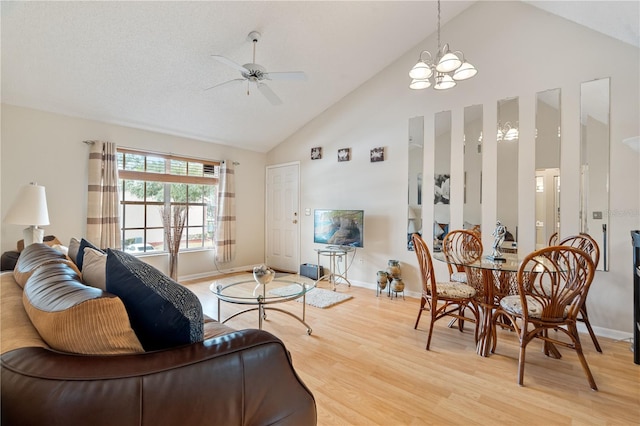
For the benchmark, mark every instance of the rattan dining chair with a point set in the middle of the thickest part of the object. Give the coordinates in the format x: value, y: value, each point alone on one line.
x: 463, y: 246
x: 586, y: 243
x: 447, y: 298
x: 553, y: 284
x: 553, y: 239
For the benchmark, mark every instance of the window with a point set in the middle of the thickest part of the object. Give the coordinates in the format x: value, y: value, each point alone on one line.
x: 150, y: 183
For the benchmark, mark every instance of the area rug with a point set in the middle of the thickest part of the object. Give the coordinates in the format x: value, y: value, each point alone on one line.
x: 318, y: 297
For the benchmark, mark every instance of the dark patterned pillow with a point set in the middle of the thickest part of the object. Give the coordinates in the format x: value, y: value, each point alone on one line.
x: 80, y: 257
x: 162, y: 312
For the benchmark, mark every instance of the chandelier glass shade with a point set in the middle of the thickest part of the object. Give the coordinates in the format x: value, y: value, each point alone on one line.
x: 507, y: 132
x: 444, y: 71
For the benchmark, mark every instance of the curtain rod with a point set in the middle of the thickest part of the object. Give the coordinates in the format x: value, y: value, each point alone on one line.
x: 235, y: 163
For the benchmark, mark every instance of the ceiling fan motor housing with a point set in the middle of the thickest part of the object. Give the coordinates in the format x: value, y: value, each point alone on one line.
x: 256, y: 72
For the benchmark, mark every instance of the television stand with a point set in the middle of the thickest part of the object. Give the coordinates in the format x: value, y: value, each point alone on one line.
x: 335, y: 254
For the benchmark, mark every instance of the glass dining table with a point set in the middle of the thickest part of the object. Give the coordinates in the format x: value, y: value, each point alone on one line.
x: 492, y: 280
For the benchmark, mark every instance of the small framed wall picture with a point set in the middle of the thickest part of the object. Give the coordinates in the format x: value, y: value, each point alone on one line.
x: 377, y: 154
x: 344, y: 154
x: 316, y: 153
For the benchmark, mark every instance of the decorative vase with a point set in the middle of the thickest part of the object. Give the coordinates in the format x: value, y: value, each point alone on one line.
x: 382, y: 279
x: 393, y: 268
x: 173, y: 266
x: 397, y: 285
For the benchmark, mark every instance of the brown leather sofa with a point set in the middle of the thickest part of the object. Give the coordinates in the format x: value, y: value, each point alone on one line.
x: 242, y: 377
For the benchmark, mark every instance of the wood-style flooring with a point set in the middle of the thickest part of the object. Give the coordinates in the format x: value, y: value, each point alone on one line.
x: 366, y: 365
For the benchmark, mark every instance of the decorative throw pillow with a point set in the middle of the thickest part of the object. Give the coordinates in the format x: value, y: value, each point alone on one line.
x: 94, y: 268
x: 74, y: 246
x: 162, y: 312
x: 72, y: 317
x: 80, y: 257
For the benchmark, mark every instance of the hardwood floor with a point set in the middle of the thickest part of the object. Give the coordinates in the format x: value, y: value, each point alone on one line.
x: 366, y: 365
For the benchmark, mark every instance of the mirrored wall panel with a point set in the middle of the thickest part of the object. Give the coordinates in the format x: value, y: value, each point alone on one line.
x: 547, y: 166
x: 594, y: 163
x: 442, y: 176
x: 508, y: 137
x: 416, y: 153
x: 472, y: 213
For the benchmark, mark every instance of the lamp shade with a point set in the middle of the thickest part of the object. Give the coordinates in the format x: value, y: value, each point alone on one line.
x: 29, y: 207
x: 444, y: 82
x: 418, y: 84
x: 448, y: 63
x: 465, y: 71
x: 420, y: 71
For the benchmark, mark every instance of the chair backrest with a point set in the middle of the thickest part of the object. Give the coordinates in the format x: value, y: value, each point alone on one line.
x: 426, y: 264
x: 462, y: 246
x: 583, y: 242
x: 557, y: 279
x: 553, y: 239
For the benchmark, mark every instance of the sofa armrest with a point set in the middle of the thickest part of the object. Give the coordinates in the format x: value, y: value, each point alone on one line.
x: 244, y: 377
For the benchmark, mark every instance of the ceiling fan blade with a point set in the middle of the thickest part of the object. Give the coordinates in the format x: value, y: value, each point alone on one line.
x: 269, y: 94
x: 225, y: 83
x: 291, y: 75
x: 229, y: 62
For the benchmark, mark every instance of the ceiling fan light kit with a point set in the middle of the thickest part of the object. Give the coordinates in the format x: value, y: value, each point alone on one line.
x: 255, y: 74
x: 444, y: 71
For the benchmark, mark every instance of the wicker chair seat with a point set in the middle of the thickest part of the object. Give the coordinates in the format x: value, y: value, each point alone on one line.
x: 455, y: 290
x: 513, y: 305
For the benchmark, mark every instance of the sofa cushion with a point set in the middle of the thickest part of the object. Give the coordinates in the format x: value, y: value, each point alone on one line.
x: 94, y: 268
x: 34, y: 256
x: 73, y: 317
x: 80, y: 257
x: 16, y: 329
x: 163, y: 313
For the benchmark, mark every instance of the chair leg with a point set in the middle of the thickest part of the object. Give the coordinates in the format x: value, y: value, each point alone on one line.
x: 584, y: 318
x: 578, y: 347
x: 430, y: 331
x: 521, y: 357
x: 423, y: 301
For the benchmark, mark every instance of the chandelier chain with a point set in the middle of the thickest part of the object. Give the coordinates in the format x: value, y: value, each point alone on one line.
x: 438, y: 29
x: 443, y: 69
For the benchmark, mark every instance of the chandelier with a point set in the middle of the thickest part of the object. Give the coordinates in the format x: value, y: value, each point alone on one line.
x: 443, y: 72
x: 507, y: 132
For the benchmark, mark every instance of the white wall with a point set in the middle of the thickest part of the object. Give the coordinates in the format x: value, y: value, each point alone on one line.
x: 518, y: 50
x: 47, y: 148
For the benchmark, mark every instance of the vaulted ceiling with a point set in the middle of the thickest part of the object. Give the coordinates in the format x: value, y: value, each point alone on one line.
x: 147, y: 64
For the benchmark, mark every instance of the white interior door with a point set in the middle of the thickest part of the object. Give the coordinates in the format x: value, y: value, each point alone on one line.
x: 283, y: 217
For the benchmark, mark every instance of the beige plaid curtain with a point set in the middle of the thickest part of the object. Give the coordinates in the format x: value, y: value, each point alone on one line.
x: 103, y: 212
x: 226, y: 220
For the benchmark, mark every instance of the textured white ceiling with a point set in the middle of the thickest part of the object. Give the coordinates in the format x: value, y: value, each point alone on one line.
x: 146, y: 64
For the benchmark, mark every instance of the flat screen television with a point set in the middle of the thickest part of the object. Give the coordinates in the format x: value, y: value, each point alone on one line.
x: 339, y: 227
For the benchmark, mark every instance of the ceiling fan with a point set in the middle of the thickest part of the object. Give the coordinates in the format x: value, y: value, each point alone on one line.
x: 255, y: 74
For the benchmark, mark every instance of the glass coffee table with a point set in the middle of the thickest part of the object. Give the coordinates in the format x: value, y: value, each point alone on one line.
x: 246, y: 291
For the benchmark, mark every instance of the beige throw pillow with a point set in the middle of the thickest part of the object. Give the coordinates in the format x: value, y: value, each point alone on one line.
x: 74, y: 246
x: 93, y: 268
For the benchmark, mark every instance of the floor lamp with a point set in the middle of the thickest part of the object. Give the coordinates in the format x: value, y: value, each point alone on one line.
x: 30, y: 208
